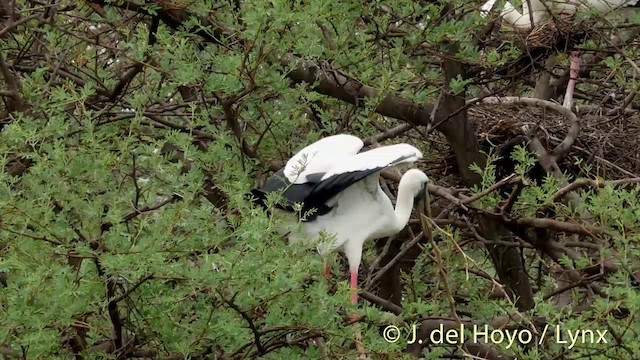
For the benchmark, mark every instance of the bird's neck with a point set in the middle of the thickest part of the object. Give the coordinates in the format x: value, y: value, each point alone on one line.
x: 404, y: 205
x: 529, y: 17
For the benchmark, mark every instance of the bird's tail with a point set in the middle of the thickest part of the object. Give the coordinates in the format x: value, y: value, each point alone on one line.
x: 259, y: 197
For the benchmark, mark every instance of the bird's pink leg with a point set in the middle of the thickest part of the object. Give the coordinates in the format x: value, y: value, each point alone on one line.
x: 573, y: 78
x: 355, y: 317
x: 354, y: 287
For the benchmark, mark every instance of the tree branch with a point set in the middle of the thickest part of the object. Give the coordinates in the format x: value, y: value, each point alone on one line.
x: 247, y: 318
x: 14, y: 86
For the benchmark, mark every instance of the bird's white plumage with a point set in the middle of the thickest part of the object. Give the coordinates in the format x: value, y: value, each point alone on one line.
x: 320, y: 156
x: 485, y: 9
x: 361, y: 211
x: 543, y: 10
x: 375, y: 158
x: 535, y: 12
x: 364, y: 212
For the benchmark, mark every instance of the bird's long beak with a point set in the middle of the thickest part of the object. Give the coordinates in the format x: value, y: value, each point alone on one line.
x: 424, y: 212
x: 422, y: 201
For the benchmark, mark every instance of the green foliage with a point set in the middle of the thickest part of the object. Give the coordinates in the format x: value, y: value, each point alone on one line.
x: 116, y: 224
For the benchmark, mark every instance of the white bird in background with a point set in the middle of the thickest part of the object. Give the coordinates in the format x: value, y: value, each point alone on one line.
x: 341, y: 186
x: 541, y: 11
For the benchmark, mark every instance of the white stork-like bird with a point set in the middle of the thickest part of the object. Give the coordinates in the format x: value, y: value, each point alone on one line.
x: 535, y: 12
x: 340, y: 186
x: 542, y: 10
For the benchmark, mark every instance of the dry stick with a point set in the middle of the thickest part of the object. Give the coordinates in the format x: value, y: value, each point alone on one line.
x: 506, y: 208
x: 583, y: 109
x: 543, y: 223
x: 393, y: 261
x: 385, y: 188
x: 426, y: 228
x: 601, y: 159
x: 391, y: 133
x: 383, y: 253
x: 14, y: 25
x: 12, y: 84
x: 624, y: 106
x: 445, y: 194
x: 578, y: 183
x: 385, y: 304
x: 491, y: 188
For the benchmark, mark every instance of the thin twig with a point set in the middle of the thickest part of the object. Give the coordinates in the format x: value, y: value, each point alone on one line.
x: 492, y: 188
x: 397, y: 258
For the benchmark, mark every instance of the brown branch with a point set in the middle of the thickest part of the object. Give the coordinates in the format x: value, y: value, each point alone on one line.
x: 397, y: 258
x: 39, y: 238
x: 579, y: 183
x: 327, y: 36
x: 556, y: 225
x: 330, y: 82
x: 10, y: 94
x: 492, y: 188
x: 114, y: 314
x: 137, y: 68
x: 445, y: 194
x: 125, y: 81
x: 184, y: 129
x: 231, y: 118
x: 132, y: 289
x: 383, y: 253
x: 132, y: 215
x: 14, y: 25
x: 581, y: 282
x: 384, y: 304
x: 256, y: 334
x: 391, y: 133
x: 506, y: 208
x: 134, y: 177
x: 14, y: 86
x: 63, y: 73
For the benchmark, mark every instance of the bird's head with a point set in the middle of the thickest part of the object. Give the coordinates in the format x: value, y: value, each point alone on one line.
x: 415, y: 181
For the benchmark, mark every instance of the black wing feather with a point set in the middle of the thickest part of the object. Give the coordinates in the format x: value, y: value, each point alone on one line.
x: 314, y: 193
x: 293, y: 193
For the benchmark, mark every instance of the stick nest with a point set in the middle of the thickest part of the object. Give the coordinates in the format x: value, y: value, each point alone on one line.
x: 607, y: 142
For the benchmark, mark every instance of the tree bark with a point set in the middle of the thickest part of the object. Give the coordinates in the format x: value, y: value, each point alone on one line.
x: 461, y: 136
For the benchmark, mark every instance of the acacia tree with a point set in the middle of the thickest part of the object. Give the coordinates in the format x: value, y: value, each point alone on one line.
x: 132, y: 131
